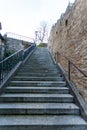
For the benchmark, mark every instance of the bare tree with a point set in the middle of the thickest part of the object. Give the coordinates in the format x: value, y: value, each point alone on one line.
x: 42, y: 32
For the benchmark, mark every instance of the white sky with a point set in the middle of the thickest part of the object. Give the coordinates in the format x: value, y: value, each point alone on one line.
x: 24, y: 16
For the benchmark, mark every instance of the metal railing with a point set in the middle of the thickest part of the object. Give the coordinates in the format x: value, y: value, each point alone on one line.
x: 28, y: 50
x: 10, y: 62
x: 70, y: 64
x: 19, y: 37
x: 69, y: 69
x: 7, y: 64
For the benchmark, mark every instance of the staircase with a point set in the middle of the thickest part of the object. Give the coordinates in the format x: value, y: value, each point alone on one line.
x: 38, y: 98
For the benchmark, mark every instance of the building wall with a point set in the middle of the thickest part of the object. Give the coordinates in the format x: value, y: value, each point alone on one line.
x: 69, y: 37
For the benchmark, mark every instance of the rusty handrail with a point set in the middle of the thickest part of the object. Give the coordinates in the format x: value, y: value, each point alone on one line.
x: 69, y: 66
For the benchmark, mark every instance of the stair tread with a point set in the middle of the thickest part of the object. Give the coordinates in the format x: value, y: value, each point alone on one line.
x: 45, y: 70
x: 38, y: 106
x: 50, y: 72
x: 37, y: 74
x: 58, y: 90
x: 36, y: 77
x: 42, y: 88
x: 37, y: 95
x: 38, y: 69
x: 6, y: 120
x: 21, y: 81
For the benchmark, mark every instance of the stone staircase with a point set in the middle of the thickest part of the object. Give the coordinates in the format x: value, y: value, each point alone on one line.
x: 38, y: 98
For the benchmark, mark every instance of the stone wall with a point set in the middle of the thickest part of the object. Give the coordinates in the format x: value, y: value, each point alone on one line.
x: 69, y: 37
x: 14, y: 45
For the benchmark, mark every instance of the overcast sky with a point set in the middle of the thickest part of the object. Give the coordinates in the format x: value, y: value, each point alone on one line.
x: 24, y: 16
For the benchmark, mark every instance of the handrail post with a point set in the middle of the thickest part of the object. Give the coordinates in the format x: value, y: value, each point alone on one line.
x: 69, y: 71
x: 1, y: 71
x: 56, y: 57
x: 22, y: 58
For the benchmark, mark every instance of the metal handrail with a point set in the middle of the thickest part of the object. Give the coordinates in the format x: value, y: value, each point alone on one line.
x: 19, y: 37
x: 10, y: 62
x: 78, y: 69
x: 28, y: 50
x: 69, y: 66
x: 11, y: 56
x: 7, y: 64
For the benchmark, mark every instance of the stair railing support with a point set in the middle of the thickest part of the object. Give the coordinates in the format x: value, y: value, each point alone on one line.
x: 1, y: 71
x: 69, y: 70
x: 69, y: 65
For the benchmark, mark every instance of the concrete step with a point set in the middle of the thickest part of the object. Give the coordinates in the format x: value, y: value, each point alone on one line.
x: 40, y: 122
x: 31, y: 66
x: 37, y: 62
x: 24, y: 78
x: 38, y: 74
x: 54, y: 90
x: 47, y: 98
x: 39, y: 109
x: 38, y: 84
x: 40, y: 62
x: 39, y: 71
x: 38, y: 68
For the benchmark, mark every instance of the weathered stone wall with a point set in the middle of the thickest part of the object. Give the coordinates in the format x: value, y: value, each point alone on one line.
x: 69, y: 37
x: 14, y: 45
